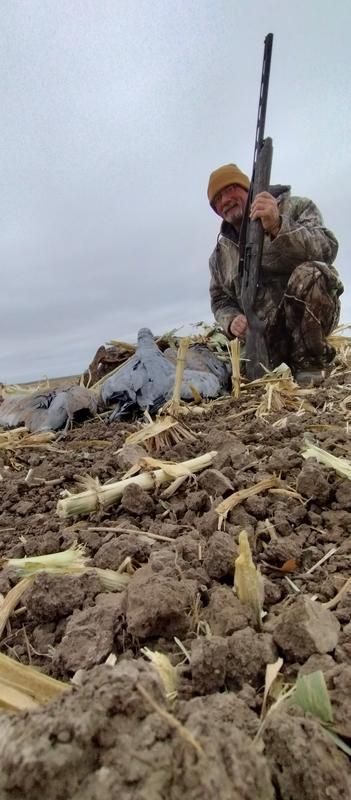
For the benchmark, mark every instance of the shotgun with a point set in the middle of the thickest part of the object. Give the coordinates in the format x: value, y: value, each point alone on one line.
x: 252, y: 233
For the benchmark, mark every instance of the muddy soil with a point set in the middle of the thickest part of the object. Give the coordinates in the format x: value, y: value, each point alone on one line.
x: 106, y: 738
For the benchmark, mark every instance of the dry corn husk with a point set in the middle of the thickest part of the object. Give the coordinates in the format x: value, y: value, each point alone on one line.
x: 235, y: 362
x: 171, y: 468
x: 345, y: 589
x: 168, y: 673
x: 340, y: 465
x: 342, y: 345
x: 162, y: 434
x: 127, y: 346
x: 74, y: 556
x: 285, y: 394
x: 22, y: 687
x: 281, y: 372
x: 281, y: 392
x: 111, y: 580
x: 102, y: 496
x: 195, y: 393
x: 20, y: 438
x: 272, y: 671
x: 272, y: 482
x: 146, y: 536
x: 173, y: 407
x: 173, y: 487
x: 11, y: 600
x: 67, y: 562
x: 10, y: 389
x: 336, y: 338
x: 248, y: 580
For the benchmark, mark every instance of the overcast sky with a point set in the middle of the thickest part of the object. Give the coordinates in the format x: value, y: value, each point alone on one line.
x: 113, y: 114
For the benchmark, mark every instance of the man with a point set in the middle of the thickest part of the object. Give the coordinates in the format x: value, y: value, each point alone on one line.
x: 298, y: 295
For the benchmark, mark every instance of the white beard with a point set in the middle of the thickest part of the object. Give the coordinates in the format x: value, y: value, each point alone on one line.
x: 234, y: 215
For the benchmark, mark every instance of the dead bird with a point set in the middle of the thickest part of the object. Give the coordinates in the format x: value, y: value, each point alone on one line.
x: 199, y: 357
x: 71, y: 403
x: 146, y: 381
x: 49, y: 410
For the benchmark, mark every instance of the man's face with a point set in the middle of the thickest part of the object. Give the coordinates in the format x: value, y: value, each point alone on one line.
x: 230, y: 204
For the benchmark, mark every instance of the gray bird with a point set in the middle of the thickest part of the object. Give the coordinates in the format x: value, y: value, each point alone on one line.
x: 146, y: 381
x: 72, y: 402
x: 51, y: 410
x: 200, y: 357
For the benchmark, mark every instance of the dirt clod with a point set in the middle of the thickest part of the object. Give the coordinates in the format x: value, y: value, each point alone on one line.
x: 52, y: 597
x: 220, y: 556
x: 111, y: 554
x: 95, y: 732
x: 156, y: 605
x: 306, y: 628
x: 248, y: 654
x: 343, y: 494
x: 303, y: 760
x: 215, y: 483
x: 88, y: 639
x: 224, y: 613
x: 208, y: 664
x: 312, y: 482
x: 136, y: 501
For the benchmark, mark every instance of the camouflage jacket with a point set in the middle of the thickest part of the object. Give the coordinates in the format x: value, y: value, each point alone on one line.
x: 302, y: 237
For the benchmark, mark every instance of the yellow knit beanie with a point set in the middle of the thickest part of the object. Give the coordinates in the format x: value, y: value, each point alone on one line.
x: 225, y: 176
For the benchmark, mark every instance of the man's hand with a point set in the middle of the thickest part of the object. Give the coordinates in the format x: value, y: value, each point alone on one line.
x: 265, y: 208
x: 238, y: 326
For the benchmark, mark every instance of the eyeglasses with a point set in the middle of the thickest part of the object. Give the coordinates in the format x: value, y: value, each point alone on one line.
x: 219, y: 196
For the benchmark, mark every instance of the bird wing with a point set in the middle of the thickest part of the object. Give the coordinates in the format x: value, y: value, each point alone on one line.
x: 79, y: 398
x: 205, y: 383
x: 126, y: 381
x: 159, y: 373
x: 200, y: 357
x: 14, y: 410
x: 67, y: 403
x: 37, y: 420
x: 42, y: 399
x: 144, y: 379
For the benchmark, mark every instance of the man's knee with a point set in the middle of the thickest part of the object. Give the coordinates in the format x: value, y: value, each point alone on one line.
x: 313, y: 289
x: 303, y: 278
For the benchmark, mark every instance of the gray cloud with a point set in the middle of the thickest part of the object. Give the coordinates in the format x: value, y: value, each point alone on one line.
x: 114, y: 113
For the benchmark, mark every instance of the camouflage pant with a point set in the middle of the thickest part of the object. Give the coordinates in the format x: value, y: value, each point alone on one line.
x: 307, y: 313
